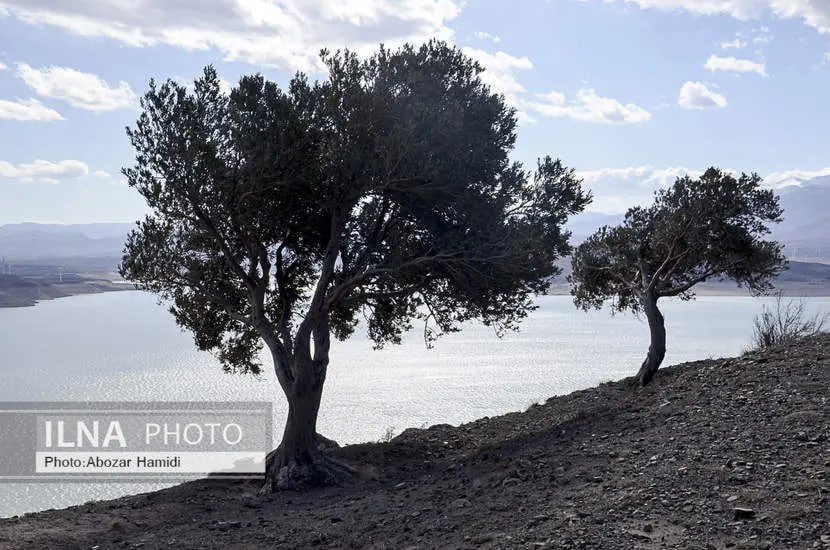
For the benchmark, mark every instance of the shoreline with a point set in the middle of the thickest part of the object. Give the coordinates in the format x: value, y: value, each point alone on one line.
x: 99, y: 286
x: 612, y: 466
x: 31, y: 295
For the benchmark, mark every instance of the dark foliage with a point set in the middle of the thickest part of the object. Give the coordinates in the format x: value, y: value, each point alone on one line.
x: 384, y: 192
x: 698, y: 229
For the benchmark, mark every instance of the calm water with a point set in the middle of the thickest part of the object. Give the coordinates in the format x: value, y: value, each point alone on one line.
x: 123, y: 346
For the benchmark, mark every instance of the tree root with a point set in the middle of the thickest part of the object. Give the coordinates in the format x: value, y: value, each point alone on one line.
x: 292, y: 474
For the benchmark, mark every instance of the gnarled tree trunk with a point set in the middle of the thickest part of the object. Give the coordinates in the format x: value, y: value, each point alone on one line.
x: 657, y: 347
x: 300, y: 460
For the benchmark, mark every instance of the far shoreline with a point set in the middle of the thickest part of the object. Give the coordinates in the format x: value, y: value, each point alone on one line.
x: 14, y: 301
x: 30, y: 296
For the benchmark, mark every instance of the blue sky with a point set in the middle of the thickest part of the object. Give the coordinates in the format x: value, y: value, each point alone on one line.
x: 631, y: 93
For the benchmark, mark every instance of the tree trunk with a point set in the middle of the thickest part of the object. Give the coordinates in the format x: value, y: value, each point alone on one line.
x: 299, y: 461
x: 657, y: 347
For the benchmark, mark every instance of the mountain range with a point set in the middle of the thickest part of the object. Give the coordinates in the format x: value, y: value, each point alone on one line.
x: 805, y: 230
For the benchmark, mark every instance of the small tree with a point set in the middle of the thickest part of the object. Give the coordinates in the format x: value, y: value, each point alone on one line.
x: 696, y: 230
x: 384, y: 192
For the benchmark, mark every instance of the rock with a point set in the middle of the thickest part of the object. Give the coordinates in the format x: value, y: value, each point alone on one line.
x: 744, y: 513
x: 461, y: 503
x: 640, y: 535
x: 481, y: 539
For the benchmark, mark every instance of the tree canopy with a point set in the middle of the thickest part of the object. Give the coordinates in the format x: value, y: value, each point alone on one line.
x: 384, y: 193
x: 710, y: 227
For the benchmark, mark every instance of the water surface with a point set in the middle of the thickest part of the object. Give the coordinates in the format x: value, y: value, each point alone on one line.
x: 123, y: 346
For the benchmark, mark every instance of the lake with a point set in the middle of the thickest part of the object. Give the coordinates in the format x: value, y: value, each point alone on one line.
x: 123, y: 346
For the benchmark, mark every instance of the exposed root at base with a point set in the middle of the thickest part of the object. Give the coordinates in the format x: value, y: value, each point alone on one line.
x: 296, y: 475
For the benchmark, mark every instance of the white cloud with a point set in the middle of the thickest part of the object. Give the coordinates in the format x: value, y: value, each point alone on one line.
x: 826, y: 57
x: 27, y: 109
x: 500, y: 70
x: 101, y: 174
x: 736, y: 44
x: 499, y: 74
x: 815, y: 13
x: 762, y: 35
x: 82, y: 90
x: 794, y: 177
x: 732, y: 64
x: 695, y: 95
x: 618, y: 189
x: 3, y: 67
x: 487, y: 36
x: 588, y: 107
x: 285, y: 33
x: 43, y: 171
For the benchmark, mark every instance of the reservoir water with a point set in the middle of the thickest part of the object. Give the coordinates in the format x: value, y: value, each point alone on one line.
x: 123, y: 346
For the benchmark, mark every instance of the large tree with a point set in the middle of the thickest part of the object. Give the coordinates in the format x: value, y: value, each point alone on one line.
x: 698, y: 229
x: 384, y: 192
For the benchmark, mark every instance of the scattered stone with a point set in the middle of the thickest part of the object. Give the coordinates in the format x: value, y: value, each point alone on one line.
x: 461, y: 503
x: 744, y: 513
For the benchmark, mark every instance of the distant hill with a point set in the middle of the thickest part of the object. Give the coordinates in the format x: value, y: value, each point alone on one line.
x: 29, y: 241
x: 91, y: 230
x: 583, y: 225
x: 806, y: 226
x: 805, y: 230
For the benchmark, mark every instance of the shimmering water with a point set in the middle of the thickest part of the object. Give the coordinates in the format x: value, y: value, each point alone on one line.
x: 124, y: 346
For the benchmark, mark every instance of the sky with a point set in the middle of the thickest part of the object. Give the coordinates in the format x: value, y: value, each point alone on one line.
x: 629, y: 93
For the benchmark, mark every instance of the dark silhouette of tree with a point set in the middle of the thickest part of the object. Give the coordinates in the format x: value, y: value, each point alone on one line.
x: 698, y: 229
x: 384, y: 192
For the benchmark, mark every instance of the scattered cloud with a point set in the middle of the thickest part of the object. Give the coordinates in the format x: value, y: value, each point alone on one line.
x: 696, y: 96
x: 27, y: 109
x: 815, y: 13
x: 588, y: 107
x: 794, y: 177
x: 487, y: 36
x: 499, y: 69
x: 3, y: 67
x: 618, y: 189
x: 732, y: 64
x: 285, y: 34
x: 736, y: 44
x: 43, y: 171
x: 224, y: 86
x: 82, y: 90
x: 500, y: 74
x: 762, y: 35
x: 101, y: 174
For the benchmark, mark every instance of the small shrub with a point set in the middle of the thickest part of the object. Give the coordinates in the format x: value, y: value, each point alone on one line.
x: 785, y: 323
x: 388, y: 435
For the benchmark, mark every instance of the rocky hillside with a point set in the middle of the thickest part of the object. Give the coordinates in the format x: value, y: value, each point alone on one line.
x: 727, y: 453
